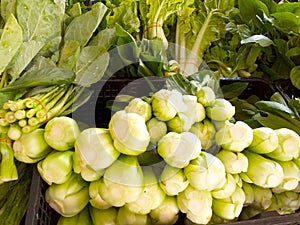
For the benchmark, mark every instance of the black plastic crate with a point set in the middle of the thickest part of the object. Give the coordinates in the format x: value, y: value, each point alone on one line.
x: 95, y: 113
x: 287, y: 89
x: 39, y: 211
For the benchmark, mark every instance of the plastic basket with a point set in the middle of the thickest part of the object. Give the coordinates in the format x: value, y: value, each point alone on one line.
x: 287, y: 89
x: 40, y: 213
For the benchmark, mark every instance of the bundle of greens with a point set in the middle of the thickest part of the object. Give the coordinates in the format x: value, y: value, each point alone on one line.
x: 168, y: 154
x: 48, y: 65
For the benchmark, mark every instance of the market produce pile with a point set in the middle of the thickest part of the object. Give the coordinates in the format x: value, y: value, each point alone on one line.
x: 154, y: 160
x: 181, y: 150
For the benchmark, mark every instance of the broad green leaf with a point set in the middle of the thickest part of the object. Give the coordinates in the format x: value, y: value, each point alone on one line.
x: 295, y: 76
x: 293, y: 52
x: 195, y: 34
x: 82, y: 27
x: 295, y: 104
x: 253, y: 54
x: 153, y: 57
x: 124, y: 16
x: 288, y: 7
x: 43, y: 77
x: 124, y: 37
x: 10, y: 42
x: 7, y: 7
x: 242, y: 30
x: 127, y: 48
x: 75, y: 10
x: 41, y: 62
x: 276, y: 122
x: 233, y: 90
x: 252, y: 12
x: 40, y: 20
x: 286, y: 22
x: 27, y: 52
x: 91, y: 65
x: 242, y: 57
x: 5, y: 96
x: 262, y: 40
x: 105, y: 38
x: 271, y: 4
x: 69, y: 54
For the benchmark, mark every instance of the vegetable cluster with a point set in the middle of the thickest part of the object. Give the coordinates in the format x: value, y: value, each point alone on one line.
x: 133, y: 172
x: 162, y: 154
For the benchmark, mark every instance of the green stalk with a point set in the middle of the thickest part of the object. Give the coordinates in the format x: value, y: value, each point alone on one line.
x: 62, y: 104
x: 17, y: 105
x: 195, y: 49
x: 3, y: 80
x: 2, y: 113
x: 45, y: 103
x: 27, y: 128
x: 65, y: 110
x: 33, y: 121
x: 14, y: 132
x: 8, y: 169
x: 20, y: 114
x: 5, y: 106
x: 22, y: 122
x: 42, y: 97
x: 3, y: 122
x: 10, y: 117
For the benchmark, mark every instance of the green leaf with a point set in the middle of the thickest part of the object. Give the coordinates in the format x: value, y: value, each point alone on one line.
x: 69, y: 54
x: 41, y: 62
x: 40, y: 20
x: 234, y: 90
x: 75, y: 10
x: 7, y: 8
x: 293, y: 52
x: 126, y: 17
x: 153, y: 56
x: 27, y: 52
x: 286, y: 22
x: 252, y: 12
x: 277, y: 97
x: 254, y: 53
x: 288, y: 7
x: 83, y: 27
x: 295, y: 104
x: 91, y: 65
x: 295, y: 76
x: 42, y: 77
x: 127, y: 51
x: 105, y: 38
x: 274, y: 107
x: 276, y: 122
x: 10, y: 42
x: 262, y: 40
x: 195, y: 34
x: 5, y: 96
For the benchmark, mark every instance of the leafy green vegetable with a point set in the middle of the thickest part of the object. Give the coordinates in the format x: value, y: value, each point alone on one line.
x: 124, y: 13
x: 295, y: 77
x: 10, y: 42
x: 40, y: 20
x: 8, y: 7
x: 91, y: 65
x: 88, y: 22
x: 43, y: 77
x: 197, y: 30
